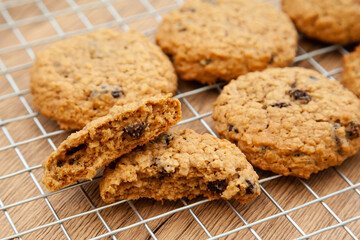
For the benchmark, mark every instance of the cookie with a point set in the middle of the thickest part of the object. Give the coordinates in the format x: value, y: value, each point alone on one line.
x: 292, y: 121
x: 79, y: 79
x: 220, y: 40
x: 103, y: 140
x: 351, y: 72
x: 330, y: 21
x: 180, y: 164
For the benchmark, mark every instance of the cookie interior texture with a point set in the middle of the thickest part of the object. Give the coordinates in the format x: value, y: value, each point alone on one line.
x: 180, y: 164
x: 331, y: 21
x: 79, y: 79
x: 351, y: 72
x: 220, y: 40
x: 107, y: 138
x: 292, y: 121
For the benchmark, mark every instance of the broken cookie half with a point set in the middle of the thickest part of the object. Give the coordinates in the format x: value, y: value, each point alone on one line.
x: 107, y: 138
x: 180, y: 164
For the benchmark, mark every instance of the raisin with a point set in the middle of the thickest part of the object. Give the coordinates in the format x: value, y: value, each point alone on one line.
x: 337, y: 138
x: 205, y: 62
x: 117, y: 93
x: 297, y: 154
x: 182, y: 29
x: 280, y: 104
x: 352, y: 130
x: 73, y: 150
x: 168, y: 138
x: 300, y: 95
x: 112, y: 165
x: 250, y: 187
x: 164, y: 174
x: 313, y: 77
x: 72, y: 162
x: 188, y: 9
x: 232, y: 128
x: 217, y: 186
x: 59, y: 163
x: 263, y: 148
x: 271, y: 59
x: 137, y: 130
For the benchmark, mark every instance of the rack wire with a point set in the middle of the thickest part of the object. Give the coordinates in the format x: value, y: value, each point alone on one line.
x: 327, y: 204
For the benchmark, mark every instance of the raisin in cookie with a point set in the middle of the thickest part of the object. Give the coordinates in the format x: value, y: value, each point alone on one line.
x: 79, y: 79
x: 107, y: 138
x: 292, y: 121
x: 222, y: 39
x: 332, y: 21
x: 351, y: 72
x: 180, y: 164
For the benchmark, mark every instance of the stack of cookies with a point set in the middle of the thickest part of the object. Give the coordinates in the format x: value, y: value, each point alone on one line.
x: 116, y: 88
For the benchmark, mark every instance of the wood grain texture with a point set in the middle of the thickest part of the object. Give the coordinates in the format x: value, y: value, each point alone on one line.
x: 37, y: 31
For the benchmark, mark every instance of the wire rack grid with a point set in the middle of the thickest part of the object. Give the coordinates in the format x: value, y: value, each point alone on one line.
x: 326, y: 205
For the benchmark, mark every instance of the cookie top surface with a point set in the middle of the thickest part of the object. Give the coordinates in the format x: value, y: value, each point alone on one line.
x: 292, y: 121
x: 222, y: 39
x: 187, y: 156
x: 80, y: 78
x: 333, y: 21
x: 351, y: 72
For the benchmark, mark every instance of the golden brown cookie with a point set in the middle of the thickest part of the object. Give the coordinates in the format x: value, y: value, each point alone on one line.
x: 292, y: 121
x: 220, y: 40
x: 79, y: 79
x: 107, y: 138
x: 180, y: 164
x: 351, y: 72
x: 332, y: 21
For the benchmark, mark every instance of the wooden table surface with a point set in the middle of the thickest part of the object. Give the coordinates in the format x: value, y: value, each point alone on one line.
x: 27, y: 138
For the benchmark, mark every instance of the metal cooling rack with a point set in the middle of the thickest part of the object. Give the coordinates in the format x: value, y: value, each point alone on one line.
x: 7, y: 75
